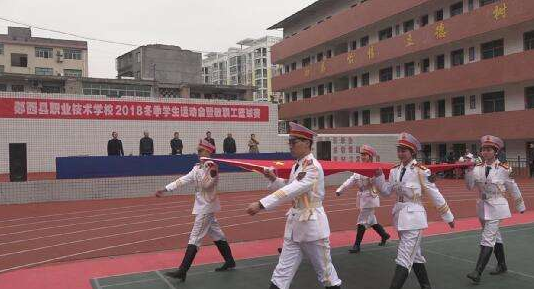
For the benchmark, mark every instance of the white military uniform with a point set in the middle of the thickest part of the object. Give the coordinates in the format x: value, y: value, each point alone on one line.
x: 492, y: 205
x: 409, y: 215
x: 368, y: 198
x: 206, y: 203
x: 307, y: 231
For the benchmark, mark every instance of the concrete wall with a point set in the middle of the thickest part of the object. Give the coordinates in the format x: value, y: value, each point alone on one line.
x: 172, y: 65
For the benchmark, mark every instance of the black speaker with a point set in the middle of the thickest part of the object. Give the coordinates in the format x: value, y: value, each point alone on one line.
x: 18, y: 162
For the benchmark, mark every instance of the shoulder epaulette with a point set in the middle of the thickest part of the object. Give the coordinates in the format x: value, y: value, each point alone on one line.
x: 504, y: 165
x: 421, y: 166
x: 480, y: 164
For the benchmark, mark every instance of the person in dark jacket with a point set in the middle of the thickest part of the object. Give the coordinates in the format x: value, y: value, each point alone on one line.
x: 229, y: 146
x: 209, y: 139
x: 146, y: 145
x: 115, y: 145
x: 176, y: 145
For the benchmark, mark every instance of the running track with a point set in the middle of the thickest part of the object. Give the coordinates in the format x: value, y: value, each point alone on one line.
x: 38, y: 234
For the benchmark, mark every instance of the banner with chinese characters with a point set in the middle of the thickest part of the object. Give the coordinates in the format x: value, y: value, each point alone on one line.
x: 128, y: 110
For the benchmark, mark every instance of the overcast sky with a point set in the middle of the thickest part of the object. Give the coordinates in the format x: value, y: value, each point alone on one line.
x: 203, y: 25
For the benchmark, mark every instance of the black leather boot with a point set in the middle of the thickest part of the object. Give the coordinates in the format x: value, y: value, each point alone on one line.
x: 225, y: 251
x: 359, y: 238
x: 383, y: 234
x: 401, y: 274
x: 498, y: 250
x: 483, y: 259
x: 421, y: 274
x: 189, y: 256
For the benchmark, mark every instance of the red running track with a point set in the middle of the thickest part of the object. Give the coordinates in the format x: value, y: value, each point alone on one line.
x: 37, y: 234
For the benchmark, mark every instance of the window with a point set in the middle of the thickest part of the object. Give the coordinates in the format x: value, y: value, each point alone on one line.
x: 438, y: 15
x: 385, y: 34
x: 471, y: 54
x: 320, y: 122
x: 306, y: 61
x: 458, y: 106
x: 1, y: 48
x: 307, y: 123
x: 493, y: 102
x: 73, y: 72
x: 440, y: 108
x: 3, y: 87
x: 330, y: 87
x: 77, y: 54
x: 43, y: 52
x: 409, y: 69
x: 472, y: 102
x: 398, y: 71
x: 294, y: 96
x: 17, y: 88
x: 307, y: 92
x: 364, y: 41
x: 331, y: 120
x: 353, y: 45
x: 440, y: 61
x: 457, y: 57
x: 424, y: 20
x: 319, y: 57
x: 457, y: 9
x: 425, y: 66
x: 386, y: 115
x: 366, y: 117
x: 355, y: 116
x: 355, y: 81
x: 320, y: 89
x: 425, y: 112
x: 410, y: 111
x: 528, y: 39
x: 399, y: 110
x: 1, y: 69
x: 386, y: 74
x: 492, y: 49
x: 529, y: 97
x: 397, y: 29
x: 44, y: 71
x: 408, y: 26
x: 294, y: 66
x: 19, y: 60
x: 286, y: 69
x: 328, y: 54
x: 470, y: 5
x: 486, y: 2
x: 365, y: 79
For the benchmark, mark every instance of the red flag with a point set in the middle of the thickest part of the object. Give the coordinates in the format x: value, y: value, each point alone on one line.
x: 283, y: 168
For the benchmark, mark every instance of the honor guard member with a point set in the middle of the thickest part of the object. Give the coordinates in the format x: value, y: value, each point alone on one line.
x: 307, y: 230
x: 409, y: 181
x: 368, y: 201
x: 493, y: 180
x: 204, y: 176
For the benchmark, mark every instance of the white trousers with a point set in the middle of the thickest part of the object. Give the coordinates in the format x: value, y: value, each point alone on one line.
x: 490, y: 233
x: 367, y: 217
x: 318, y: 252
x: 409, y: 250
x: 205, y: 224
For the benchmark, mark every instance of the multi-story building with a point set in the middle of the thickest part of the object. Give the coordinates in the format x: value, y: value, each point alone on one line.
x: 448, y: 71
x: 24, y: 54
x: 163, y: 63
x: 248, y: 65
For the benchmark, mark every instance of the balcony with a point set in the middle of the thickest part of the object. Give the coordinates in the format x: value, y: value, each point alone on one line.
x: 342, y: 23
x: 508, y: 125
x: 508, y: 69
x: 481, y: 21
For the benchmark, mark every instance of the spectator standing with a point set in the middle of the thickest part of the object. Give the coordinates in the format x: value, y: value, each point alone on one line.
x: 176, y: 145
x: 115, y: 145
x: 229, y: 146
x: 146, y: 145
x: 253, y: 145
